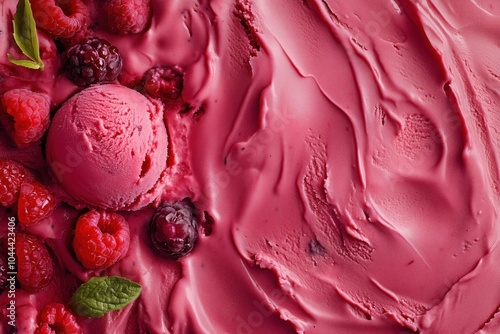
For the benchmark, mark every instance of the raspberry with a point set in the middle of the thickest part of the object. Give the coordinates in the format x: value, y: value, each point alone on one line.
x: 174, y: 229
x: 34, y: 264
x: 126, y: 17
x: 93, y: 60
x: 60, y: 18
x: 55, y: 318
x: 101, y: 239
x: 25, y: 116
x: 12, y: 174
x: 164, y: 83
x: 35, y: 203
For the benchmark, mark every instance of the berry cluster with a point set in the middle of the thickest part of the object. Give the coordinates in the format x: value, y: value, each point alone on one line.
x: 17, y: 185
x: 66, y: 18
x: 101, y: 238
x: 34, y: 202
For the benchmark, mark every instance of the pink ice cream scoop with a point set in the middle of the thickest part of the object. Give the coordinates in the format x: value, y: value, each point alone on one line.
x: 107, y: 146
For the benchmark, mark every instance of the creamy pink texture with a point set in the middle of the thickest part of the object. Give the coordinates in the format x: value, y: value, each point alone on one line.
x: 107, y: 146
x: 348, y: 154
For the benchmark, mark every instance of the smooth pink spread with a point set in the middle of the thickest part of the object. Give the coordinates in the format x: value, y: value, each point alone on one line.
x: 348, y: 153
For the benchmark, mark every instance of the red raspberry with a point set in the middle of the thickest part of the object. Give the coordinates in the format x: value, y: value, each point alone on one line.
x: 92, y: 61
x: 126, y: 17
x: 56, y: 318
x: 164, y: 83
x: 35, y: 203
x: 101, y: 239
x: 25, y: 116
x: 34, y: 264
x: 174, y: 229
x: 61, y: 18
x: 12, y: 175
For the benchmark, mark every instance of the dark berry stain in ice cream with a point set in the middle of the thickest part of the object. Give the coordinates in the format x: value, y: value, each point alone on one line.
x: 243, y: 12
x: 174, y: 229
x: 207, y: 224
x: 315, y: 247
x: 93, y: 60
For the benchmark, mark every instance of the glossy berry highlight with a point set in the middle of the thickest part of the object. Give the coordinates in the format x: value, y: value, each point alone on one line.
x: 92, y: 61
x: 174, y: 229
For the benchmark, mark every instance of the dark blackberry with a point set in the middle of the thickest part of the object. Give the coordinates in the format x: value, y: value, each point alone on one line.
x: 163, y: 82
x: 93, y: 60
x: 174, y: 229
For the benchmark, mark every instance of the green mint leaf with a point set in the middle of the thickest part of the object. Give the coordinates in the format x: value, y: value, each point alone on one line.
x: 25, y: 34
x: 24, y: 62
x: 100, y: 295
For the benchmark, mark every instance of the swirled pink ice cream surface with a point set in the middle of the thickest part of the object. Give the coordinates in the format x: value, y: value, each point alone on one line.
x: 348, y: 154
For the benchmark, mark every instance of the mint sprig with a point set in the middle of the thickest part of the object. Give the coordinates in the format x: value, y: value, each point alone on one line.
x: 100, y: 295
x: 26, y: 37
